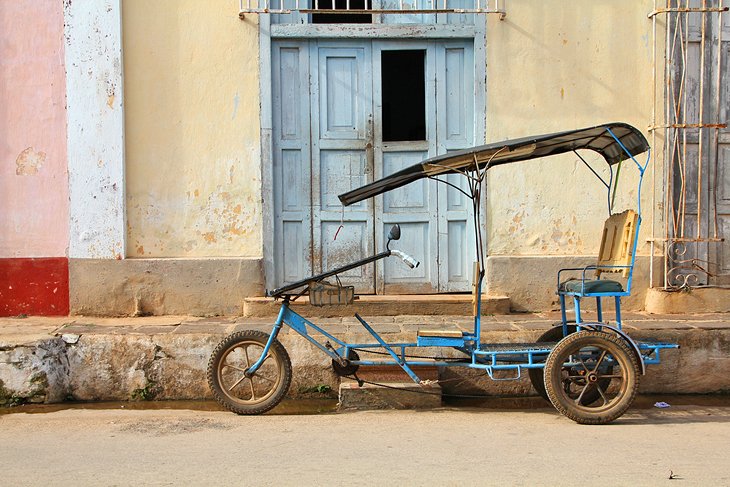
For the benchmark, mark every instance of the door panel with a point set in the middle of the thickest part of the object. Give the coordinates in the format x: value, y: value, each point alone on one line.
x: 413, y: 206
x: 291, y: 161
x: 342, y: 158
x: 455, y: 130
x: 457, y: 216
x: 721, y: 254
x: 341, y: 110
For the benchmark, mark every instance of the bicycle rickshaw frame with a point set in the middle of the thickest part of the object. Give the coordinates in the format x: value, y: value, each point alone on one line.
x: 616, y: 142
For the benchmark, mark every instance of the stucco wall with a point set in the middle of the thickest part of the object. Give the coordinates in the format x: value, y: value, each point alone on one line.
x: 192, y: 129
x: 554, y: 66
x: 33, y: 179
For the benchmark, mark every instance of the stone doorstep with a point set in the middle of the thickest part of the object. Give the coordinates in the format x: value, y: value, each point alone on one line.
x: 709, y: 299
x: 395, y: 374
x: 391, y: 305
x: 398, y: 395
x: 399, y: 390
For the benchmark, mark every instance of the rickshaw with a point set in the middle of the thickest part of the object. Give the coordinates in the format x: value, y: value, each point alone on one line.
x: 588, y: 370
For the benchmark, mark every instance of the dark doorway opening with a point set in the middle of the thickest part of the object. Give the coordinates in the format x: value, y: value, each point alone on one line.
x: 344, y: 18
x: 404, y: 95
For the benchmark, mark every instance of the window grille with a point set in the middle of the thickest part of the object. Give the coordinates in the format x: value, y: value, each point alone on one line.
x: 695, y: 129
x: 373, y: 7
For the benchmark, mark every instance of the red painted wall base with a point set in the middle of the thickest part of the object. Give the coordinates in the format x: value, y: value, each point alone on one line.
x: 34, y: 286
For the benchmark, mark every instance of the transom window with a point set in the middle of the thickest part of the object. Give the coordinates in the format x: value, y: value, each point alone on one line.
x: 353, y: 11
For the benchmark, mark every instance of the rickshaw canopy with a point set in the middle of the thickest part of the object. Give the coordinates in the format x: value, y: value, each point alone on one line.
x: 598, y: 139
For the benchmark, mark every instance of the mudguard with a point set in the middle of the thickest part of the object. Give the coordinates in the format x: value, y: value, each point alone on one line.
x: 632, y: 344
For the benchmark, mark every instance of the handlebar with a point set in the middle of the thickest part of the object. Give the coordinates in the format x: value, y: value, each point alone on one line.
x: 410, y: 261
x: 282, y: 291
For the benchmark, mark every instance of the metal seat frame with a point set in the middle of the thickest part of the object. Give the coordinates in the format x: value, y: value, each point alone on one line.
x: 628, y: 271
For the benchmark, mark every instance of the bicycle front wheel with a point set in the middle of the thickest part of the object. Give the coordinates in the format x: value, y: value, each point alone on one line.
x: 234, y: 387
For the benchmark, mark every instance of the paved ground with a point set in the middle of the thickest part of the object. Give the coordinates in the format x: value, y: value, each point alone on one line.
x: 438, y: 447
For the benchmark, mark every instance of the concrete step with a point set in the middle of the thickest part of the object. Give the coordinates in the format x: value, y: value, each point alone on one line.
x: 391, y: 305
x: 398, y: 395
x: 393, y: 373
x: 398, y: 391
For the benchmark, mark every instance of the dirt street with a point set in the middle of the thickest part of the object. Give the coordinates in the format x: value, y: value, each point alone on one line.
x: 438, y: 447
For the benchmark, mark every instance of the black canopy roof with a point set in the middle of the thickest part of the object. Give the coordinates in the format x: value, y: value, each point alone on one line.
x: 597, y: 139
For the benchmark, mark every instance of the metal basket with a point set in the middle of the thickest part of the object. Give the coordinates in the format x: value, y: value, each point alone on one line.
x: 325, y: 294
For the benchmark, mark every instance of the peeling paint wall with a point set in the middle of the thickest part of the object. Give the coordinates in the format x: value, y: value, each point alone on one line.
x: 555, y: 66
x: 95, y: 128
x: 192, y: 130
x: 33, y: 180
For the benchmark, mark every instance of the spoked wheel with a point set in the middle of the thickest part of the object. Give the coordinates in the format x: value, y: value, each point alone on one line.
x: 239, y: 391
x: 591, y: 363
x: 537, y: 376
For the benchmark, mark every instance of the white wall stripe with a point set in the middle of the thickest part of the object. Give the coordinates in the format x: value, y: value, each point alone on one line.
x: 94, y: 97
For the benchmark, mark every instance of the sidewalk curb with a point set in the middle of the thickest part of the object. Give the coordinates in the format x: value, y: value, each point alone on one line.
x: 116, y: 364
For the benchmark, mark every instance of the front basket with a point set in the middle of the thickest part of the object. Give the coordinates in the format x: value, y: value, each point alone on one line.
x: 325, y: 294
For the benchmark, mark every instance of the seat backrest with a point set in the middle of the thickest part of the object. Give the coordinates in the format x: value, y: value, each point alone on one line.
x: 617, y: 243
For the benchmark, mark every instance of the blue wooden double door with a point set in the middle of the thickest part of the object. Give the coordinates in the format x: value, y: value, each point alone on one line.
x: 348, y: 112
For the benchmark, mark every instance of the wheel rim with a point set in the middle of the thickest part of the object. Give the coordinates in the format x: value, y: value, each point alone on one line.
x: 253, y: 390
x: 592, y: 369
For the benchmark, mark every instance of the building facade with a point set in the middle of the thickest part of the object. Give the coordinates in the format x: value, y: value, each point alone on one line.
x: 171, y: 157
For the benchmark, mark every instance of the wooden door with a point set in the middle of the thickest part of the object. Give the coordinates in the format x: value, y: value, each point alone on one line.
x: 329, y: 138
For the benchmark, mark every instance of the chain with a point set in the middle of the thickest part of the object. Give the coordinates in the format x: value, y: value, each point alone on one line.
x: 419, y: 391
x: 432, y: 357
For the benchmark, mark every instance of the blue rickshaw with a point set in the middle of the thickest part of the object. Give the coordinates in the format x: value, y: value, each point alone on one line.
x: 588, y: 370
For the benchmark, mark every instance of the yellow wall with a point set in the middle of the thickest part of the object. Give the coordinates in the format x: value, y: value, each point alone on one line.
x: 554, y: 65
x: 192, y: 123
x: 191, y: 91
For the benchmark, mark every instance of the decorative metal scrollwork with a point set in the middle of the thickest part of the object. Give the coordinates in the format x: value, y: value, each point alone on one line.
x: 683, y: 273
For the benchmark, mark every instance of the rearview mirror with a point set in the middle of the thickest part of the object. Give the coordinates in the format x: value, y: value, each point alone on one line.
x: 394, y: 233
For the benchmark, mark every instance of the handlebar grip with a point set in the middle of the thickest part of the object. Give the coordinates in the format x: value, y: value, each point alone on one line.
x: 410, y: 261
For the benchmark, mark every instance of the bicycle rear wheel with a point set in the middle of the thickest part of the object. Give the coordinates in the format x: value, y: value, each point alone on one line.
x: 589, y: 361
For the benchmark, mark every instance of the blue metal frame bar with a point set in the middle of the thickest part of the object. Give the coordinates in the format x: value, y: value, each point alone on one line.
x: 641, y: 168
x: 300, y: 324
x: 401, y: 362
x: 478, y: 317
x: 274, y: 333
x: 481, y: 358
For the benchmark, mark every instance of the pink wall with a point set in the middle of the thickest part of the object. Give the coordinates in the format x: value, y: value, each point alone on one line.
x: 33, y: 175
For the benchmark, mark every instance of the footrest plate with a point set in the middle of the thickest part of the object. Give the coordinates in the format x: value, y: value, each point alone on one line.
x: 441, y: 333
x: 440, y: 338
